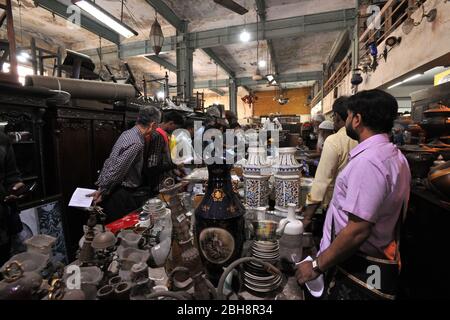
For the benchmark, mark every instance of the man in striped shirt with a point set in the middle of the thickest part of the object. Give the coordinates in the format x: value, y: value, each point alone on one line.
x: 121, y: 175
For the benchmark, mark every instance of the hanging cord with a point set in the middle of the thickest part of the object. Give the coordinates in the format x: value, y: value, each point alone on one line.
x: 100, y: 53
x: 121, y: 12
x: 19, y: 2
x: 257, y: 40
x: 133, y: 18
x: 217, y: 81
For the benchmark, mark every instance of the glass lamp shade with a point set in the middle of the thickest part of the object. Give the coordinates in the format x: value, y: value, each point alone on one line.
x: 156, y: 37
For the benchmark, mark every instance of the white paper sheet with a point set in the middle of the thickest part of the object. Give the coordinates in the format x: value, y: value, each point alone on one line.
x: 79, y: 198
x: 316, y: 286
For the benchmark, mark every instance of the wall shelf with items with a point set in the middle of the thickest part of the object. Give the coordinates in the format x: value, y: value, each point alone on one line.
x: 21, y: 113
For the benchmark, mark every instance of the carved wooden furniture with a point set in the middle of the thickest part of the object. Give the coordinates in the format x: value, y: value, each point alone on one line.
x: 21, y: 113
x: 79, y: 140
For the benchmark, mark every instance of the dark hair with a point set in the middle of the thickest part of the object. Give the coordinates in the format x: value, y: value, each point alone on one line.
x: 378, y: 109
x: 340, y: 107
x: 234, y: 125
x: 174, y: 116
x: 147, y: 115
x: 230, y: 116
x: 188, y: 123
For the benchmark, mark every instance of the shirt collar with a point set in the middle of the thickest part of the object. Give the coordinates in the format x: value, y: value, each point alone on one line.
x: 139, y: 133
x: 368, y: 143
x: 342, y: 130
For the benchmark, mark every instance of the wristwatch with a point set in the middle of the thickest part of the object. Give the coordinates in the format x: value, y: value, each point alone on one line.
x: 315, y: 265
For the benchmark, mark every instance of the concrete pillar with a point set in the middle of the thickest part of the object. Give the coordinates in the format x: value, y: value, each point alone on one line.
x: 232, y: 91
x: 185, y: 72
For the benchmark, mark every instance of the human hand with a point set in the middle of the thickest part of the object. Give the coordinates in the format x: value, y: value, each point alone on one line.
x: 179, y: 171
x: 97, y: 197
x: 305, y: 272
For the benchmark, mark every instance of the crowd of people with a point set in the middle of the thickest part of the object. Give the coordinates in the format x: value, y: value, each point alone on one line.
x: 362, y: 184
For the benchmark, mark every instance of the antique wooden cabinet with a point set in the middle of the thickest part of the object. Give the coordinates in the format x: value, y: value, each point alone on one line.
x: 79, y: 141
x: 21, y: 118
x: 59, y: 148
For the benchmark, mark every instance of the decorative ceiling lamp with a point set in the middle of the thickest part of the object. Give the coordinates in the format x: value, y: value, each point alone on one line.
x: 156, y: 36
x: 257, y: 76
x: 280, y: 98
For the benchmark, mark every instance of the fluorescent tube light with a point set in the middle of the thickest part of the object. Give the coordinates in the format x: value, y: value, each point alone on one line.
x: 412, y: 78
x: 105, y: 18
x: 395, y: 85
x: 406, y: 80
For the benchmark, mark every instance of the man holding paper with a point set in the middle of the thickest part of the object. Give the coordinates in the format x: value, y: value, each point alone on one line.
x: 121, y: 175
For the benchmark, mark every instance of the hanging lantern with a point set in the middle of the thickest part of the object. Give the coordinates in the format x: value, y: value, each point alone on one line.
x: 156, y: 37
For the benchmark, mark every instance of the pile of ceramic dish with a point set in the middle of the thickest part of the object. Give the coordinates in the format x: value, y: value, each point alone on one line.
x: 255, y: 277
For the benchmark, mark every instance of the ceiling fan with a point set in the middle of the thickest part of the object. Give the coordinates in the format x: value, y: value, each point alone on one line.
x: 233, y: 6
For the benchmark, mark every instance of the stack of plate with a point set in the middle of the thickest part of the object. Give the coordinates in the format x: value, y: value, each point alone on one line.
x: 255, y: 277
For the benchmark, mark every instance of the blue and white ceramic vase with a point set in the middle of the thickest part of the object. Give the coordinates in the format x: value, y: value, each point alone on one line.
x: 256, y: 178
x: 287, y: 173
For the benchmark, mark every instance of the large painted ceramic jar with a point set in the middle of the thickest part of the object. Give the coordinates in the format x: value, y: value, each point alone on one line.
x: 287, y: 173
x: 219, y: 223
x: 256, y: 178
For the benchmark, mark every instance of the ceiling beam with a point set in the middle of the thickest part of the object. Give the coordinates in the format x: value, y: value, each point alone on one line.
x: 248, y: 81
x: 219, y: 62
x: 2, y: 18
x: 261, y: 7
x: 344, y: 37
x: 220, y: 92
x: 247, y: 88
x: 273, y: 56
x: 273, y: 29
x: 167, y: 13
x: 162, y: 62
x: 60, y: 9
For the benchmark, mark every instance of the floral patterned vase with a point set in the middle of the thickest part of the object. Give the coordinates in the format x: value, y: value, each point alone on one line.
x: 287, y: 173
x: 256, y: 178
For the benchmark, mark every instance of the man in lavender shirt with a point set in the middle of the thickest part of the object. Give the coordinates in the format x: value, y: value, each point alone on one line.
x: 361, y: 226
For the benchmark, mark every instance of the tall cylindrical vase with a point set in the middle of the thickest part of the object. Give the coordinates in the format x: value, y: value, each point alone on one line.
x: 219, y: 223
x: 256, y: 178
x: 287, y: 180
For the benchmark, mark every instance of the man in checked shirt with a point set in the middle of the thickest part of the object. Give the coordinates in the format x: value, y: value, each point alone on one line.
x: 121, y: 175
